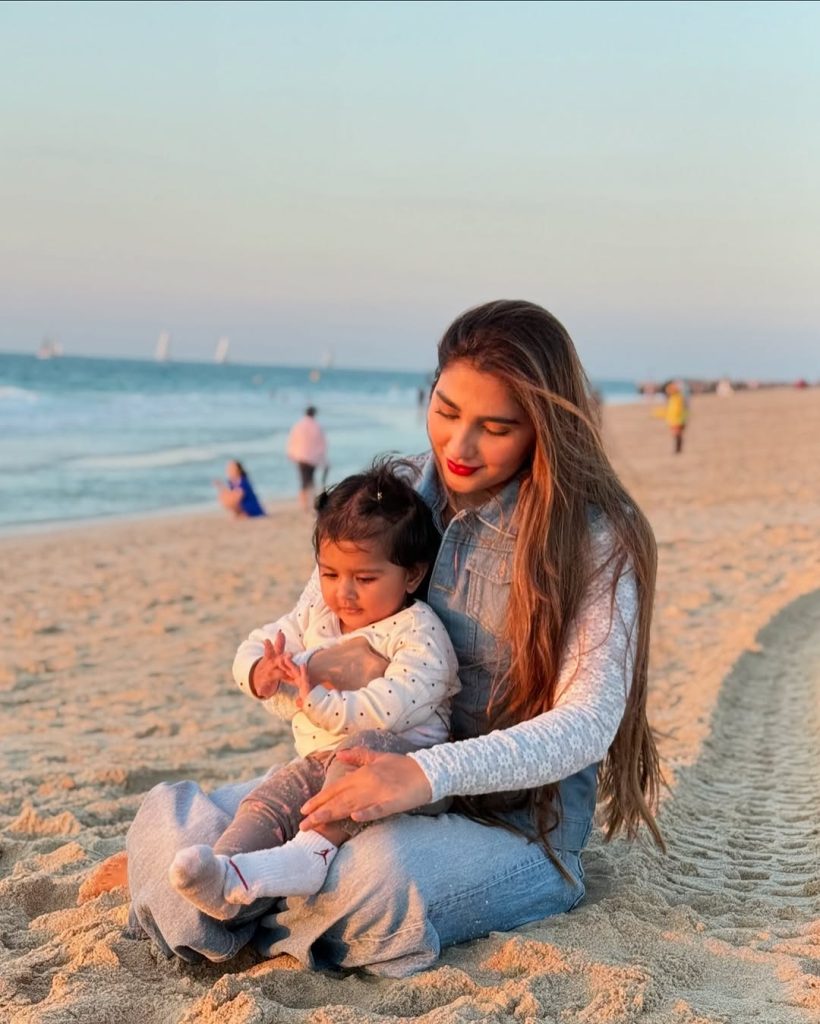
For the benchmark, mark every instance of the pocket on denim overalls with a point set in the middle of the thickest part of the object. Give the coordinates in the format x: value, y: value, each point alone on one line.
x: 488, y: 588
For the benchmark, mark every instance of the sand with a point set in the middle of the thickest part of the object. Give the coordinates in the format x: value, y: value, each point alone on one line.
x: 114, y: 675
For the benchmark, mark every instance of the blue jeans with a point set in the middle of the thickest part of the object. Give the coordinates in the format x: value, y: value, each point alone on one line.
x: 394, y: 897
x: 407, y: 887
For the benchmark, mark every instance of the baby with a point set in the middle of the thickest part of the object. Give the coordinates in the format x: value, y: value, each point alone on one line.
x: 374, y: 541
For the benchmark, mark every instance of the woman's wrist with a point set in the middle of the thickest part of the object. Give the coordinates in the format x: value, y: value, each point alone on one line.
x: 430, y: 780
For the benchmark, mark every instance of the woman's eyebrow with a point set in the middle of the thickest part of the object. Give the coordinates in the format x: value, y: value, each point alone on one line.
x: 483, y: 419
x: 445, y: 399
x: 376, y: 570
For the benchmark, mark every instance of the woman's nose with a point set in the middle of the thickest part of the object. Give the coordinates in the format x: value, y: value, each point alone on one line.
x: 462, y: 443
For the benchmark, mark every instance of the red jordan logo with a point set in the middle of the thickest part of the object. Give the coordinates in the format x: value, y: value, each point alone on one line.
x: 239, y: 873
x: 323, y: 854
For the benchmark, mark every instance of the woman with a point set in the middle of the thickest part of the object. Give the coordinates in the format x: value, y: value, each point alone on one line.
x: 544, y: 580
x: 236, y: 494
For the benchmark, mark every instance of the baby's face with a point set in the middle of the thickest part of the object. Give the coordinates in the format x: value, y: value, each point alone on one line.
x: 360, y: 585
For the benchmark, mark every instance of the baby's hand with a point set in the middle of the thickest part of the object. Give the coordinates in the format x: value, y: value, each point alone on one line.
x: 302, y: 683
x: 274, y: 666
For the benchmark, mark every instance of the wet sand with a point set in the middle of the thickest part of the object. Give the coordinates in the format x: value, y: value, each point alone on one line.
x: 115, y: 675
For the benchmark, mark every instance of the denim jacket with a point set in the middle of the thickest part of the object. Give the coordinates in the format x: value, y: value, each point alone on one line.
x: 469, y: 588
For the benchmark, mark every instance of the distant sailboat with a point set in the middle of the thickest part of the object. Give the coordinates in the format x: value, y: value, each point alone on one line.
x: 328, y: 358
x: 221, y: 353
x: 49, y: 349
x: 162, y: 353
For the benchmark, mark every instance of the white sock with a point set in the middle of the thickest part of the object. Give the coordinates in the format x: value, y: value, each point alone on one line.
x: 199, y: 874
x: 220, y: 886
x: 298, y: 868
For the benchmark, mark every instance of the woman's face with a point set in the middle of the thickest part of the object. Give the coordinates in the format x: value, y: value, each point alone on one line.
x: 479, y: 434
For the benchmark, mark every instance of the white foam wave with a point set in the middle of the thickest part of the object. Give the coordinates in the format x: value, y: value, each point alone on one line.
x: 10, y: 393
x: 179, y: 456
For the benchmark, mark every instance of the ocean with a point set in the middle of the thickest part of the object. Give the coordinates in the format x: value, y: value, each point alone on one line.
x: 84, y: 438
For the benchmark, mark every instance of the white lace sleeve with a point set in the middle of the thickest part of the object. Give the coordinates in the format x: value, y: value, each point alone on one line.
x: 593, y: 687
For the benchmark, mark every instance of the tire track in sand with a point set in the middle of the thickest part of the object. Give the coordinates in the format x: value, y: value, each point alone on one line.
x: 743, y: 827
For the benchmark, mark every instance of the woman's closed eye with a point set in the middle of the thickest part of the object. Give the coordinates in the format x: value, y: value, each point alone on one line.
x: 502, y: 432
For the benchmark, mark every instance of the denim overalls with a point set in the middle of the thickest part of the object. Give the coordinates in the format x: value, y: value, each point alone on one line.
x: 469, y: 589
x: 410, y: 885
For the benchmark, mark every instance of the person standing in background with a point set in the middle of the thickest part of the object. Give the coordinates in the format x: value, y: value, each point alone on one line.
x: 307, y: 447
x: 676, y: 413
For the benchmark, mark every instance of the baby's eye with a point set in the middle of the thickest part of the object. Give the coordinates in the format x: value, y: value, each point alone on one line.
x: 365, y: 579
x: 328, y: 575
x: 446, y: 415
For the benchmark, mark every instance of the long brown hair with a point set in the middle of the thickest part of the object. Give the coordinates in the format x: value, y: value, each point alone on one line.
x: 569, y: 474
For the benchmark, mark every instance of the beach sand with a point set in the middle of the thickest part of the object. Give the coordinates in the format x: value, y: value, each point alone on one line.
x: 115, y: 675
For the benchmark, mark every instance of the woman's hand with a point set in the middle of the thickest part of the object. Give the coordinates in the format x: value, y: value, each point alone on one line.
x: 348, y: 666
x: 384, y: 784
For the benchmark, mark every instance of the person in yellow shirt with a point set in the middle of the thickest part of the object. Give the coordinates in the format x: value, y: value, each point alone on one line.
x: 676, y: 413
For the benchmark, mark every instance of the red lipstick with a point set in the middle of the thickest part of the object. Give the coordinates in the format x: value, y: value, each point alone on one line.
x: 459, y: 470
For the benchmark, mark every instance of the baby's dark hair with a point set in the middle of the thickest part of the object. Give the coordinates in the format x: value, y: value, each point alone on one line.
x: 378, y: 504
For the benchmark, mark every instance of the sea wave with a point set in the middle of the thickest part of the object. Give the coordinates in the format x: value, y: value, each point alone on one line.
x: 180, y: 456
x: 10, y: 393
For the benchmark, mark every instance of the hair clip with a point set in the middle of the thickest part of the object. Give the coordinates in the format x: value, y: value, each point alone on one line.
x: 378, y: 495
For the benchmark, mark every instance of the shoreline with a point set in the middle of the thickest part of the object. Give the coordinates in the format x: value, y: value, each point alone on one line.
x: 56, y: 526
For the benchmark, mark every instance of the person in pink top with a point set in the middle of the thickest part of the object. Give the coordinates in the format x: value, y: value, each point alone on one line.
x: 307, y: 447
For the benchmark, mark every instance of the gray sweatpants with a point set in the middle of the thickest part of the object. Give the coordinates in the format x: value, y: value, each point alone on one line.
x: 270, y: 814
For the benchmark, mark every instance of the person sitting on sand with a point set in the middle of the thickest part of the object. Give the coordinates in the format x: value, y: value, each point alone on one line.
x: 374, y: 541
x: 236, y: 494
x: 544, y: 581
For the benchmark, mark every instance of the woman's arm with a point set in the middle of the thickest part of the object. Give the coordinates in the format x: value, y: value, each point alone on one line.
x: 420, y: 676
x: 593, y: 687
x: 577, y: 732
x: 345, y: 666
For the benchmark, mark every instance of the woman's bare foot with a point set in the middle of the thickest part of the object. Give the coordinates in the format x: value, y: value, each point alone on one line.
x: 112, y: 873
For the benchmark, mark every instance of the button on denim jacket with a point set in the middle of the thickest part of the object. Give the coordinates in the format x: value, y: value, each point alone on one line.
x: 469, y: 588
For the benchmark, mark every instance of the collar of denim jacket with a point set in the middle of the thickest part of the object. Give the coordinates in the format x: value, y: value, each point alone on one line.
x: 496, y: 513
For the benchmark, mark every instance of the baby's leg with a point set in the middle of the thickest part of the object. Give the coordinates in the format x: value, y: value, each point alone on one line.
x: 296, y: 868
x: 270, y: 814
x: 300, y: 866
x: 268, y: 817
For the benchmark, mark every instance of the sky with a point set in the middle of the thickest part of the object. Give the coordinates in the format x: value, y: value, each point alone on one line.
x: 350, y: 176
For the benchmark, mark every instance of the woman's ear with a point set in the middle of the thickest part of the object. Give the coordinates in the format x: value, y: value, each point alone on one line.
x: 415, y: 576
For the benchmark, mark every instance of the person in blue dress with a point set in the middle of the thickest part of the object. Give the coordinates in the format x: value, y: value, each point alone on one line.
x: 236, y: 494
